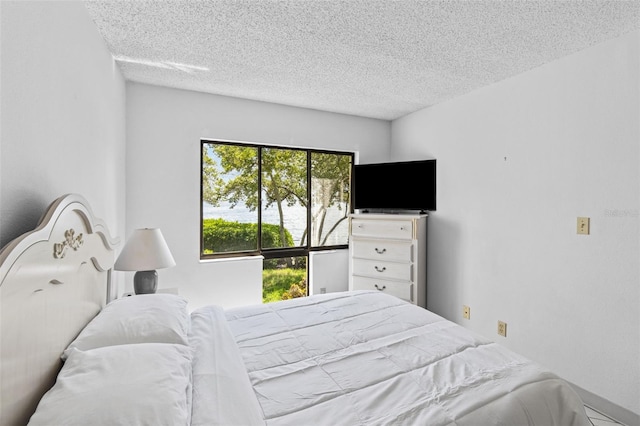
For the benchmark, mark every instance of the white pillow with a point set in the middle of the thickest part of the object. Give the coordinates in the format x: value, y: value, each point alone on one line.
x: 142, y: 384
x: 144, y: 318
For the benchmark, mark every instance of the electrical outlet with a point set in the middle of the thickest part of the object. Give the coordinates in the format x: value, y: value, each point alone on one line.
x: 583, y: 225
x: 466, y: 312
x: 323, y: 290
x: 502, y: 328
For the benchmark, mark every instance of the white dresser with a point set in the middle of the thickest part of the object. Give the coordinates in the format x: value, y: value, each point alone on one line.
x: 388, y: 252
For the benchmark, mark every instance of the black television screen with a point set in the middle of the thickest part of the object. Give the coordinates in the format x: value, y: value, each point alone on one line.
x: 406, y: 185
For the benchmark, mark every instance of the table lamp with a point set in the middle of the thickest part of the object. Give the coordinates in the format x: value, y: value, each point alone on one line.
x: 145, y: 251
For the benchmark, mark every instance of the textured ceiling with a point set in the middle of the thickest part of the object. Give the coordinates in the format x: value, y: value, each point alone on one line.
x: 372, y: 58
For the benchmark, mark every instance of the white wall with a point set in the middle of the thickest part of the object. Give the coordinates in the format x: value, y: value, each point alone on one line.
x: 328, y: 270
x: 164, y: 129
x: 518, y: 162
x: 63, y: 120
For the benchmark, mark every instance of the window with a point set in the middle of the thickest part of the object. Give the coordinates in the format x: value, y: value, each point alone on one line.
x: 279, y: 202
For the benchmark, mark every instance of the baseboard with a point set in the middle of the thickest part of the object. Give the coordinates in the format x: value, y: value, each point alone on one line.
x: 608, y: 408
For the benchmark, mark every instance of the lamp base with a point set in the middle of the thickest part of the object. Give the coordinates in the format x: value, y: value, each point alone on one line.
x: 145, y: 282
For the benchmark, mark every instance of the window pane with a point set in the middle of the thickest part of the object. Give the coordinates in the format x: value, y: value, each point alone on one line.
x: 298, y: 198
x: 284, y: 278
x: 229, y: 198
x: 284, y: 198
x: 330, y: 195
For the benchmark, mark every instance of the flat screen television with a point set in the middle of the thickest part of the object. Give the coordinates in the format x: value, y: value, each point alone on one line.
x: 405, y: 185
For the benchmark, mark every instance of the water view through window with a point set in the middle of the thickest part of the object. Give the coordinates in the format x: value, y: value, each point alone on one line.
x: 295, y: 219
x: 261, y: 200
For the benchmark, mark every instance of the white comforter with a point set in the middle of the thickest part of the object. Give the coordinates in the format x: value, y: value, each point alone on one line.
x: 363, y: 358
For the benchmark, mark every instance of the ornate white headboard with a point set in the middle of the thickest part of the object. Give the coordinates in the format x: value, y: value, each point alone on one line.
x: 53, y: 281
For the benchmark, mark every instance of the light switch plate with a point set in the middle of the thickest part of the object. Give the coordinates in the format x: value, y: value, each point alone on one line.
x: 583, y: 225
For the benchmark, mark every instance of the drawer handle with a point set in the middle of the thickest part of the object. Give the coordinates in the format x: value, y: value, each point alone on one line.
x: 380, y: 251
x: 384, y: 268
x: 378, y: 288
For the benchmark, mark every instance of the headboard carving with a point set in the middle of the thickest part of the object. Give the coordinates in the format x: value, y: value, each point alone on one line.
x: 70, y: 241
x: 53, y: 281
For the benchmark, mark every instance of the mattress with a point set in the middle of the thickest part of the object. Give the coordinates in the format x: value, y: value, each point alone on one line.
x: 363, y: 358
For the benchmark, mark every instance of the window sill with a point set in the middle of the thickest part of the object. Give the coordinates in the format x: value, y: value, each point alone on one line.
x: 232, y: 259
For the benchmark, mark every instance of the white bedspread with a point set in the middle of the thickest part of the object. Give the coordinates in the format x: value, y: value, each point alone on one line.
x: 366, y: 358
x: 222, y: 393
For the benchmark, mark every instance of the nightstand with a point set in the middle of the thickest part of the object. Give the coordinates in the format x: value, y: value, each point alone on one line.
x: 160, y: 290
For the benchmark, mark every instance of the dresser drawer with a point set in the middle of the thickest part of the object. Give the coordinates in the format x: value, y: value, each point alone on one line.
x: 382, y: 249
x: 394, y: 229
x: 402, y: 290
x: 382, y: 269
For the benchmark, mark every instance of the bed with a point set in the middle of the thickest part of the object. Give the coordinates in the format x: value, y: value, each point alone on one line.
x: 353, y: 358
x: 53, y: 280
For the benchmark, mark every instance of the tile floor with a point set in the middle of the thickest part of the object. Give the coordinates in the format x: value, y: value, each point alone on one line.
x: 598, y: 419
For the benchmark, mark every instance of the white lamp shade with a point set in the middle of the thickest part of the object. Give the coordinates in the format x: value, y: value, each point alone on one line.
x: 145, y: 250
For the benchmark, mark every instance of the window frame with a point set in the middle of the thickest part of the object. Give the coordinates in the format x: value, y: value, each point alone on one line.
x: 273, y: 253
